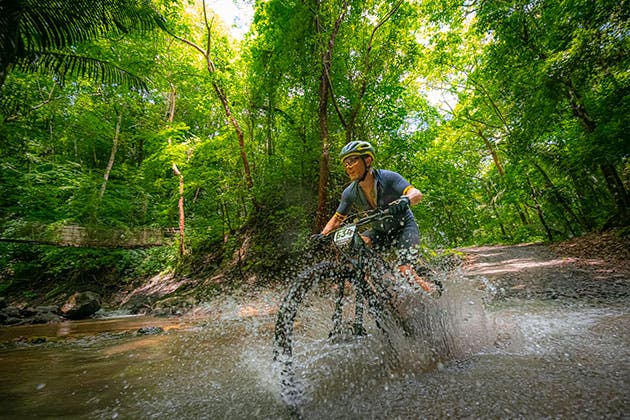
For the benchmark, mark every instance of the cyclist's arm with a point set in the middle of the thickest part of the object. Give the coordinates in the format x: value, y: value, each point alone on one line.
x: 395, y: 182
x: 333, y: 224
x: 415, y: 196
x: 342, y: 211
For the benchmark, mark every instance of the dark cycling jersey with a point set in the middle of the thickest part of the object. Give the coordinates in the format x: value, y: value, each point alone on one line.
x: 389, y: 186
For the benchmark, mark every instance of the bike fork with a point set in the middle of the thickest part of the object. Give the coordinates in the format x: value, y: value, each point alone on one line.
x: 359, y: 306
x: 338, y: 314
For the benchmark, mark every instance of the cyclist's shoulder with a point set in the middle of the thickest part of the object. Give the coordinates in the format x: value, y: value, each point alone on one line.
x: 387, y: 175
x: 351, y: 189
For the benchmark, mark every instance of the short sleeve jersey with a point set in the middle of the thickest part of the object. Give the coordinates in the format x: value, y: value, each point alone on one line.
x: 388, y: 185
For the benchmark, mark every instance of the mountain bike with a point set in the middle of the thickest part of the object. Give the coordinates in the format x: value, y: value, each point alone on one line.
x: 350, y: 280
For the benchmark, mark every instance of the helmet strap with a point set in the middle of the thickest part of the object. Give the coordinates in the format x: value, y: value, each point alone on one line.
x: 366, y: 169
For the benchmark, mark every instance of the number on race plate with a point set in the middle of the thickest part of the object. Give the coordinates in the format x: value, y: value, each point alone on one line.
x: 344, y: 235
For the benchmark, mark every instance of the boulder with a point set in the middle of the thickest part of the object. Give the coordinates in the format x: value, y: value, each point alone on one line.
x: 81, y: 305
x: 45, y: 315
x: 10, y: 316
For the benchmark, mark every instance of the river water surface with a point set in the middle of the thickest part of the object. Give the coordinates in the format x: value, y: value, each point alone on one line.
x: 525, y: 359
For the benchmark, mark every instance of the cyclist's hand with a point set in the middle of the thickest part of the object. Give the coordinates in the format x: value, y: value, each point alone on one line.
x: 400, y: 206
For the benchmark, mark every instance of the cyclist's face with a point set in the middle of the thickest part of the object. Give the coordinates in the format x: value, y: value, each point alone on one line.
x: 354, y: 167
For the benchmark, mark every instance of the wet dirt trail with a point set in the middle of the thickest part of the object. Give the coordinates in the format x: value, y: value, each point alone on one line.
x: 536, y: 271
x: 562, y: 324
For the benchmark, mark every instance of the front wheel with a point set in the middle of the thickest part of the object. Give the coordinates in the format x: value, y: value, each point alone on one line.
x: 310, y: 313
x: 318, y: 302
x: 313, y: 307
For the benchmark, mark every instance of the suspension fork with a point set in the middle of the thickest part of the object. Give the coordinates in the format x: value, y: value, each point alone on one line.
x: 338, y: 313
x: 359, y: 307
x: 357, y: 279
x: 359, y: 299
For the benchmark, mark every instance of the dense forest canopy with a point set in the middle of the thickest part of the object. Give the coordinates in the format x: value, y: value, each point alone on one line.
x: 510, y: 116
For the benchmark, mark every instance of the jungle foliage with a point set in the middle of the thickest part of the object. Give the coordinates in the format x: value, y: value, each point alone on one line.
x: 511, y: 117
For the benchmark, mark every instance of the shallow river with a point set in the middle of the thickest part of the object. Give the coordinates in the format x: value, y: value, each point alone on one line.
x: 519, y: 359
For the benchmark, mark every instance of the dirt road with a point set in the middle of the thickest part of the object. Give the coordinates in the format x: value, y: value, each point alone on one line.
x: 596, y: 273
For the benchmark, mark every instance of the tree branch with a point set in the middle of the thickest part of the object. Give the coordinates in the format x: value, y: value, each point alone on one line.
x: 368, y: 65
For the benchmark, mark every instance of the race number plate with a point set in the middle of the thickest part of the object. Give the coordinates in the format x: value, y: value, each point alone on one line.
x: 344, y: 235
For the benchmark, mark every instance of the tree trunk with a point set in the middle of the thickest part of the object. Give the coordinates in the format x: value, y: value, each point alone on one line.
x: 560, y: 199
x: 613, y: 182
x: 271, y: 119
x: 225, y: 219
x: 493, y: 204
x: 324, y: 95
x: 493, y: 152
x: 584, y: 188
x: 112, y: 156
x: 539, y: 211
x: 522, y: 214
x: 222, y: 96
x: 322, y: 191
x: 239, y: 136
x: 180, y: 207
x: 618, y: 192
x: 180, y: 203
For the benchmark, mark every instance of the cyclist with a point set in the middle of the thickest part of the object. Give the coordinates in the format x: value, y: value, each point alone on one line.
x: 371, y: 188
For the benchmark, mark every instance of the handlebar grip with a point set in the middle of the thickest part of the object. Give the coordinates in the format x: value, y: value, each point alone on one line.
x: 318, y: 238
x: 399, y: 206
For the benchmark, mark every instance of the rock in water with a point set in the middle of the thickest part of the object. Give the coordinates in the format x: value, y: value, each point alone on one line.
x: 81, y: 305
x: 150, y: 330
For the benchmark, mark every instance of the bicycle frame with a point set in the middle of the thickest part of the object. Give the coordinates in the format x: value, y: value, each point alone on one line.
x: 348, y: 240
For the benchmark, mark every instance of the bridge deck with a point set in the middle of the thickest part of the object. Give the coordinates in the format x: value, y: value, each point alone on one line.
x: 88, y: 237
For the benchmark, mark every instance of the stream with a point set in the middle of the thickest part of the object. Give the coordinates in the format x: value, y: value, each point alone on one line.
x: 516, y: 359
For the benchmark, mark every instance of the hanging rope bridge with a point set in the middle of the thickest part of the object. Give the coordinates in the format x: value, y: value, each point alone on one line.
x: 88, y: 237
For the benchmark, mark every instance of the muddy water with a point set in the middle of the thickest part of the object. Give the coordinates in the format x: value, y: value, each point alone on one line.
x: 525, y: 359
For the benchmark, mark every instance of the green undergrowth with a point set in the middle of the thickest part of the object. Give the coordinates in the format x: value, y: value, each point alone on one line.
x: 45, y: 274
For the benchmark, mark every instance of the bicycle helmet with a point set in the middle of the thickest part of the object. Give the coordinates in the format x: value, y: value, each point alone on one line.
x: 357, y: 148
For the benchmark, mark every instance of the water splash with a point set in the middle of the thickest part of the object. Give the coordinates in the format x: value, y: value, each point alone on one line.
x: 436, y: 331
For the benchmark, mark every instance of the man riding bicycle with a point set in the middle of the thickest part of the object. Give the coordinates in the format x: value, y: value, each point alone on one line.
x: 372, y: 188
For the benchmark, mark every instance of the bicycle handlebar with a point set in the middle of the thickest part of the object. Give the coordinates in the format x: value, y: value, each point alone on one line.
x: 370, y: 215
x: 367, y: 217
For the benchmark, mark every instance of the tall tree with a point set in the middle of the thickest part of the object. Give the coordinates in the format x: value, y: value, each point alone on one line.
x: 324, y: 95
x: 565, y: 63
x: 221, y: 94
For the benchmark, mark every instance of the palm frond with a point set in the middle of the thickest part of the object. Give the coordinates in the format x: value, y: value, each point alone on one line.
x: 54, y: 24
x: 39, y: 32
x: 63, y: 64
